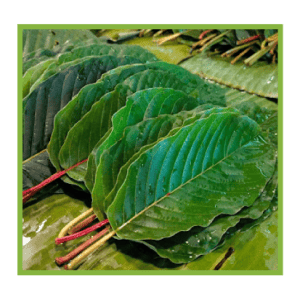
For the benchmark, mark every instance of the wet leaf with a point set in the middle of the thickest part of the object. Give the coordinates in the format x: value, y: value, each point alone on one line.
x: 49, y: 97
x: 260, y: 79
x: 160, y: 208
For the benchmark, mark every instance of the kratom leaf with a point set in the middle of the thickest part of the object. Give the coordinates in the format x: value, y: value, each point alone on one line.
x: 35, y: 170
x: 89, y: 95
x: 44, y: 102
x: 185, y: 247
x: 271, y: 127
x: 260, y: 79
x: 175, y: 197
x: 32, y: 75
x: 34, y: 39
x: 96, y: 125
x: 101, y: 206
x: 107, y: 49
x: 143, y: 105
x: 115, y: 161
x: 36, y: 57
x: 41, y: 75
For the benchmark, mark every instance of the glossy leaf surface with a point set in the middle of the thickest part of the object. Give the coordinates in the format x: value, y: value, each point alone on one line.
x: 115, y: 161
x: 187, y: 246
x: 97, y: 121
x: 35, y: 39
x: 41, y: 74
x: 141, y: 105
x: 44, y: 102
x: 176, y: 194
x: 260, y: 79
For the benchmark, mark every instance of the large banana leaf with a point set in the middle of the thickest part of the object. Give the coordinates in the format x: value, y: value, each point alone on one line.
x: 43, y: 220
x: 260, y: 79
x: 171, y: 52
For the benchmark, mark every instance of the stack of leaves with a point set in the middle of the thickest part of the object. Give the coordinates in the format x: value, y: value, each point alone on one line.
x: 171, y: 161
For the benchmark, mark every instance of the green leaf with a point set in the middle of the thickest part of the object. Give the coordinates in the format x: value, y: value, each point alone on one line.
x: 48, y: 98
x: 98, y: 120
x: 42, y: 222
x: 172, y: 52
x: 140, y: 55
x: 185, y: 247
x: 107, y: 49
x: 72, y: 113
x: 190, y: 117
x: 145, y: 104
x: 260, y: 79
x: 34, y: 39
x: 32, y: 75
x: 238, y: 162
x: 115, y: 161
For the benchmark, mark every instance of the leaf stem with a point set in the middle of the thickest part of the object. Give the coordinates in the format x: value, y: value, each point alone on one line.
x: 80, y: 233
x: 65, y: 230
x: 249, y: 39
x: 240, y: 55
x: 77, y: 260
x: 202, y: 42
x: 202, y: 34
x: 215, y: 40
x: 236, y: 49
x: 170, y: 37
x: 252, y: 59
x: 27, y: 194
x: 82, y: 224
x: 83, y: 246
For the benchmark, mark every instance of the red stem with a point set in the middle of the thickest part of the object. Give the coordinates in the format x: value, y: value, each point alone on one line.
x: 27, y: 194
x: 204, y: 33
x: 249, y: 39
x: 83, y: 246
x: 80, y: 233
x: 82, y: 224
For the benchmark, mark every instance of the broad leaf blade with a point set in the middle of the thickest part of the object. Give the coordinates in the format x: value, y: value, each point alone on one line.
x: 260, y: 79
x: 34, y: 39
x: 175, y: 197
x: 44, y: 102
x: 185, y: 247
x: 114, y: 101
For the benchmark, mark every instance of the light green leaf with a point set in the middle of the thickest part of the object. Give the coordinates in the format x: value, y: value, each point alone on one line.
x: 260, y: 79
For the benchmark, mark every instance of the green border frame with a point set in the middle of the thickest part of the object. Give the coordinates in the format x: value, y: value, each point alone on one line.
x: 155, y: 26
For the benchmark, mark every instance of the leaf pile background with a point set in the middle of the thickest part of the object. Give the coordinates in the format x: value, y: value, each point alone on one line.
x: 44, y: 219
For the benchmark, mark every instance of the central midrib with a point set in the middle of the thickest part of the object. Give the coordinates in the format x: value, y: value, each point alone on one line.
x: 179, y: 187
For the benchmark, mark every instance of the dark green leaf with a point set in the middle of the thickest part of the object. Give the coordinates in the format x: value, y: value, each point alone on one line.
x: 233, y: 173
x: 44, y: 102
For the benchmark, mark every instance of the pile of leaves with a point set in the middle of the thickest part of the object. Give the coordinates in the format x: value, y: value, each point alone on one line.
x: 173, y: 161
